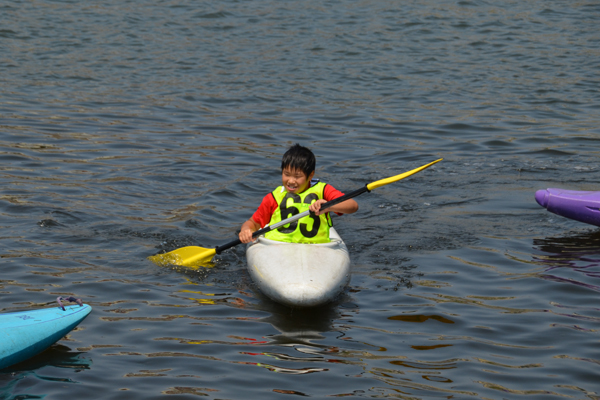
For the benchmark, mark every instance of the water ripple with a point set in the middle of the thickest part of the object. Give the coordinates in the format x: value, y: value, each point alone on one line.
x: 133, y: 128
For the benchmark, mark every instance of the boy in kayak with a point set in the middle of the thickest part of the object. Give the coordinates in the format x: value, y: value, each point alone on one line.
x: 297, y: 194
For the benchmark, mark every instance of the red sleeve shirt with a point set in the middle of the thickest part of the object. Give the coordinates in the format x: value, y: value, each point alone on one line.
x: 262, y: 216
x: 331, y: 193
x: 267, y: 207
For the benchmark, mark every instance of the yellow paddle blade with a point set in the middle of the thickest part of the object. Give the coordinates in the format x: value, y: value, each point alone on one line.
x: 379, y: 183
x: 190, y: 256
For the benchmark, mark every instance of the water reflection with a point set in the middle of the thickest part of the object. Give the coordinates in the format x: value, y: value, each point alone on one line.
x: 564, y: 250
x: 420, y: 318
x: 58, y: 355
x: 571, y: 259
x: 298, y: 324
x: 301, y: 346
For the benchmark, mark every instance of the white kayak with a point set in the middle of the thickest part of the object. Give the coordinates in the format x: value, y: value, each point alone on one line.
x: 299, y: 275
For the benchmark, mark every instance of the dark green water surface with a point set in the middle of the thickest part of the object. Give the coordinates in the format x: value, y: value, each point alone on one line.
x: 130, y: 127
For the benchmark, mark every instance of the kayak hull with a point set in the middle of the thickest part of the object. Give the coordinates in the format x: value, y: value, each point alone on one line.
x: 26, y: 333
x: 579, y: 206
x: 299, y: 275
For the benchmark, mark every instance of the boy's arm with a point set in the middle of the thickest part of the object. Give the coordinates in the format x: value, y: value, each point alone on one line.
x: 346, y: 207
x: 330, y: 193
x: 261, y: 217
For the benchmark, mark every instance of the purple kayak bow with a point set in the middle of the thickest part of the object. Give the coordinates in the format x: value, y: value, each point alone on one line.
x: 580, y: 206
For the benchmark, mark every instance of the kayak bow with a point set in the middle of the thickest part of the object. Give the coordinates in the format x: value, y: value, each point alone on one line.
x: 299, y: 274
x: 580, y: 206
x: 27, y: 333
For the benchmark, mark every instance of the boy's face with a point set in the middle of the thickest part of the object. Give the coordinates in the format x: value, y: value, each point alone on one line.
x: 295, y: 180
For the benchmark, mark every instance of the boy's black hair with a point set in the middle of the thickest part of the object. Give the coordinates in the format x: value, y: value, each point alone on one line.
x: 298, y: 157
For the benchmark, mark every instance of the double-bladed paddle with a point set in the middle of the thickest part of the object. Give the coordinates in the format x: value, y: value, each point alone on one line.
x: 194, y: 256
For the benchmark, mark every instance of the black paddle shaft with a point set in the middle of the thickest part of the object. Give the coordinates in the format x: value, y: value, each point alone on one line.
x: 220, y: 249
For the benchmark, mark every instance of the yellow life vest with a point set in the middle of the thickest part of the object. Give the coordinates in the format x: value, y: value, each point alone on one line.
x: 309, y: 229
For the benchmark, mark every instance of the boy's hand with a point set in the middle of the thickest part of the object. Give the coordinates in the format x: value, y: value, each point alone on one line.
x: 247, y: 229
x: 316, y: 206
x: 246, y: 236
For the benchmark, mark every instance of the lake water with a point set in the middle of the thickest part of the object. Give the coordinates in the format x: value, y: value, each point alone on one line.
x: 133, y: 127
